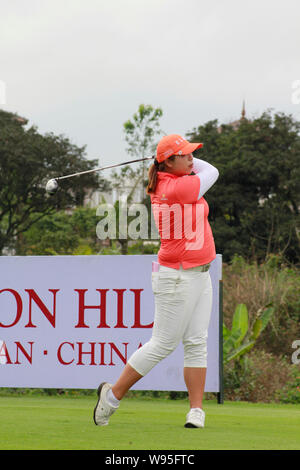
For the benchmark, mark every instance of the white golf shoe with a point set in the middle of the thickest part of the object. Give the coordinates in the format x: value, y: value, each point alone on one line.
x: 103, y: 410
x: 195, y: 418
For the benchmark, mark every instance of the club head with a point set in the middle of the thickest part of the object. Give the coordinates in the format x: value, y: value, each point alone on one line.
x: 51, y: 187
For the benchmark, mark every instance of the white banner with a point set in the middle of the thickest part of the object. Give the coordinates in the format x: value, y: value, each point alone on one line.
x: 74, y: 321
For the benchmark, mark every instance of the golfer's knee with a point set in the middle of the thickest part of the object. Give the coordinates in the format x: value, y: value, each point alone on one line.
x: 145, y: 358
x: 162, y: 349
x: 195, y: 353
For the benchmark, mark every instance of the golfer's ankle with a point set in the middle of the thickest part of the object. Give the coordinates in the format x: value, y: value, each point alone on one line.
x: 111, y: 398
x: 117, y: 393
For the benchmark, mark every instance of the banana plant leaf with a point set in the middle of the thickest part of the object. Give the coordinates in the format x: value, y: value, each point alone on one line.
x: 240, y: 351
x: 226, y: 333
x: 256, y: 329
x: 240, y: 323
x: 266, y: 317
x: 229, y: 344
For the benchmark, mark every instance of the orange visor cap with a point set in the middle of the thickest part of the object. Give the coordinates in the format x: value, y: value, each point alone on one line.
x: 174, y: 144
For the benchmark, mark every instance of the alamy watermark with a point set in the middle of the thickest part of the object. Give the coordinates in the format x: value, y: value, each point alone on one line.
x: 176, y: 222
x: 295, y: 96
x: 296, y: 354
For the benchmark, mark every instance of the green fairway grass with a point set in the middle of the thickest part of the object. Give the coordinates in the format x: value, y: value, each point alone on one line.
x: 38, y: 422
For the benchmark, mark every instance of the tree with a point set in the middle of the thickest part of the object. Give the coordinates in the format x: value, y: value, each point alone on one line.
x: 27, y: 161
x: 254, y: 207
x: 140, y: 133
x: 61, y: 233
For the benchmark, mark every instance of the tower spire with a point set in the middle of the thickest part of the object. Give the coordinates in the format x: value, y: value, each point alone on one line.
x: 243, y: 111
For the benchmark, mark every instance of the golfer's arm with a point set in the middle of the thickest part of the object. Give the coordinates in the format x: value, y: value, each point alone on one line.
x: 207, y: 173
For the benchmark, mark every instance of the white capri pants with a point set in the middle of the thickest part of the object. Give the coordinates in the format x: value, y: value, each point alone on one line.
x: 183, y: 302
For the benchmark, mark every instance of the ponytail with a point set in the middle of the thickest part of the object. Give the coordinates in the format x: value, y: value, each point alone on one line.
x: 152, y: 174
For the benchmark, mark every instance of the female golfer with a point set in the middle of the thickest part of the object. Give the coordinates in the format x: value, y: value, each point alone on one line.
x: 182, y: 285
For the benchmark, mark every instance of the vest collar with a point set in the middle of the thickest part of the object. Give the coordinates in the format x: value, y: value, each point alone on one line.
x: 164, y: 175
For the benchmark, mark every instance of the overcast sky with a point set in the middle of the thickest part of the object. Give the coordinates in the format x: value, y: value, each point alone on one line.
x: 82, y: 67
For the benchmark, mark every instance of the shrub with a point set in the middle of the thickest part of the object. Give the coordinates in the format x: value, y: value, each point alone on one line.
x: 258, y: 285
x: 262, y: 377
x: 290, y: 393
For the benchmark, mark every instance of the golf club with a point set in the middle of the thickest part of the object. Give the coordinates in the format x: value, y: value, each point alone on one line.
x: 52, y: 184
